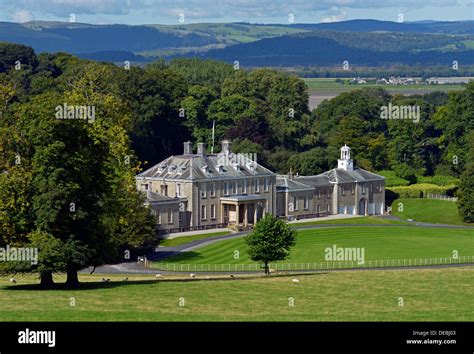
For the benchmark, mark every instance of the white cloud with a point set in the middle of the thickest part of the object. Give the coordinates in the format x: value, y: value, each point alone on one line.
x: 22, y: 16
x: 341, y: 15
x: 201, y: 10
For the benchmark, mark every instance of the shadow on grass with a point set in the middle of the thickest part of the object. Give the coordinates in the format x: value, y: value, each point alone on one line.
x: 88, y: 285
x: 182, y: 256
x: 96, y: 285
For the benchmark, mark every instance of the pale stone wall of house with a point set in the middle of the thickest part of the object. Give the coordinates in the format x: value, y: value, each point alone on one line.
x: 166, y: 214
x: 319, y: 196
x: 206, y: 200
x: 281, y: 209
x: 323, y: 198
x: 349, y: 201
x: 295, y: 204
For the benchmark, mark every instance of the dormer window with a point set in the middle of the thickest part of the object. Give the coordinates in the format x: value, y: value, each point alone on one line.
x: 181, y: 169
x: 251, y: 166
x: 161, y: 168
x: 171, y: 168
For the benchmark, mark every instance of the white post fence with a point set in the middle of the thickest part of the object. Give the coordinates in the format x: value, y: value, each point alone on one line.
x: 252, y: 267
x: 440, y: 196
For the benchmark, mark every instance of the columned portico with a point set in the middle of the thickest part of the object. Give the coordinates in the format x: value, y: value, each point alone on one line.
x: 242, y: 209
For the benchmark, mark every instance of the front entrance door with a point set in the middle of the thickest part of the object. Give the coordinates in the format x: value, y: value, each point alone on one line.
x: 232, y: 214
x: 241, y: 213
x: 362, y: 205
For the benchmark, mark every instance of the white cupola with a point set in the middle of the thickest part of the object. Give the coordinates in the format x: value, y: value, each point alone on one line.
x: 345, y: 162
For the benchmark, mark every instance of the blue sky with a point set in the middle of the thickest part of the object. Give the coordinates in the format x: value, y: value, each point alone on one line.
x: 257, y: 11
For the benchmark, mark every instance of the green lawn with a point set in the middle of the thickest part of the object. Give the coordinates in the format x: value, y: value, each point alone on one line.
x: 379, y: 243
x: 428, y: 210
x: 428, y: 295
x: 372, y: 220
x: 186, y: 239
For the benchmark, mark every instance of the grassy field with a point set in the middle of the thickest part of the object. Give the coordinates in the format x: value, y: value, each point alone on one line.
x: 186, y: 239
x: 428, y: 210
x: 428, y: 295
x: 372, y: 220
x: 330, y: 84
x: 380, y: 243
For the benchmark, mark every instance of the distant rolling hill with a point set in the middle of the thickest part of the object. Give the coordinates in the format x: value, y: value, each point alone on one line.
x: 362, y: 42
x: 444, y: 27
x: 329, y: 48
x: 84, y: 38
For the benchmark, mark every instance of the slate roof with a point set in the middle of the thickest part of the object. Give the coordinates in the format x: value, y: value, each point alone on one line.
x: 339, y: 175
x: 155, y: 198
x: 197, y: 166
x: 336, y: 175
x: 315, y: 181
x: 240, y: 198
x: 284, y: 182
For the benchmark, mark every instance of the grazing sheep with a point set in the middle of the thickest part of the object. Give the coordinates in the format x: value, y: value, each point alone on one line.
x: 192, y: 275
x: 103, y: 280
x: 232, y: 276
x: 107, y: 280
x: 126, y: 279
x: 294, y: 280
x: 13, y: 280
x: 158, y: 276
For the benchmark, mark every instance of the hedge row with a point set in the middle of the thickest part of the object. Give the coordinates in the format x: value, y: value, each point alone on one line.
x: 419, y: 190
x: 392, y: 180
x: 438, y: 180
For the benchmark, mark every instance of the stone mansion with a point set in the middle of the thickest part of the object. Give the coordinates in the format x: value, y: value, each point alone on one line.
x: 196, y: 191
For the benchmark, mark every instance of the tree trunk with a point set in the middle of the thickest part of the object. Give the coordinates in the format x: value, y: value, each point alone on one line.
x: 267, y: 270
x: 72, y: 280
x: 46, y: 280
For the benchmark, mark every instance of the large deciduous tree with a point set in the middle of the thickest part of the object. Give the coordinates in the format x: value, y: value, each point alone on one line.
x: 270, y: 241
x: 70, y: 182
x: 465, y: 192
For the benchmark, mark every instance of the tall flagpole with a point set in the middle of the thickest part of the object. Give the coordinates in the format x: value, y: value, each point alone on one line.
x: 213, y: 129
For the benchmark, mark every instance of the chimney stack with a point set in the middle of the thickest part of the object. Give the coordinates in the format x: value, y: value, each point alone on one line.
x: 201, y: 149
x: 290, y: 174
x: 225, y: 147
x: 188, y: 150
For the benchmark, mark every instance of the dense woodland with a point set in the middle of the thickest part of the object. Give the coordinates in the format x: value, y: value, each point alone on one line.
x: 144, y: 115
x: 262, y: 110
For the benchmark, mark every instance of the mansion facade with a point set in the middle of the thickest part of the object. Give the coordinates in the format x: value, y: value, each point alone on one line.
x: 196, y: 191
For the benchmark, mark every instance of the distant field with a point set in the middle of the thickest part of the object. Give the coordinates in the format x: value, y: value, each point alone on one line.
x: 428, y: 295
x: 428, y: 210
x: 330, y: 84
x: 380, y: 243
